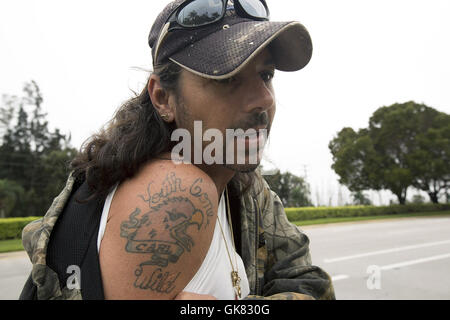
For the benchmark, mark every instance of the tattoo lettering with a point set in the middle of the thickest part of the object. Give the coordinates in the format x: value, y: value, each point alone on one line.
x: 170, y: 185
x: 207, y: 206
x: 159, y: 281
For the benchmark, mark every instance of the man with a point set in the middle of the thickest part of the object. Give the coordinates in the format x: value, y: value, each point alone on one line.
x: 135, y: 222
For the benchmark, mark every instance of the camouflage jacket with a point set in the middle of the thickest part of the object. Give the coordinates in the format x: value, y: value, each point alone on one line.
x: 276, y: 255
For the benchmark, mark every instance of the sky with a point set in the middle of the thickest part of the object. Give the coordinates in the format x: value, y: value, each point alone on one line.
x: 89, y: 56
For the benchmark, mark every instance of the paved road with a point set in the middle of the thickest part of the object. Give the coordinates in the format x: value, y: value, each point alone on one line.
x: 408, y: 259
x: 14, y: 270
x: 389, y: 259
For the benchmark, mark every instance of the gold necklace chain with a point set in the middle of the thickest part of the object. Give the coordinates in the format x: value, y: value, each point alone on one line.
x: 235, y: 279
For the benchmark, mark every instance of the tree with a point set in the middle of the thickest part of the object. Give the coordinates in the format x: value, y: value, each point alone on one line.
x: 31, y: 155
x: 293, y: 191
x: 416, y: 138
x: 405, y: 145
x: 430, y: 162
x: 360, y: 199
x: 355, y: 160
x: 10, y: 194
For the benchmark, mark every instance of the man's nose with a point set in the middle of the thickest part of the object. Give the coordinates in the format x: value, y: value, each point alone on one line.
x: 260, y: 96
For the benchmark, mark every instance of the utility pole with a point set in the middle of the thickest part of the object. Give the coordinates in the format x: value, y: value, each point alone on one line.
x: 305, y: 171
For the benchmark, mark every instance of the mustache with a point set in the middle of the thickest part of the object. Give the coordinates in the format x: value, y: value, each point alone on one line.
x: 256, y: 119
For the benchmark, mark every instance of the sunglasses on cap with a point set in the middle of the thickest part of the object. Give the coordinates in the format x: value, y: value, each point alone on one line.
x: 199, y: 13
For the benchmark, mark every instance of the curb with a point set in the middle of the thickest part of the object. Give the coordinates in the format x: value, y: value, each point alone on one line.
x: 312, y: 226
x: 14, y: 254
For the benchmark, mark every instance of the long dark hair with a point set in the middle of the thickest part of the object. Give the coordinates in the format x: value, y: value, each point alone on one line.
x: 132, y: 137
x: 135, y: 135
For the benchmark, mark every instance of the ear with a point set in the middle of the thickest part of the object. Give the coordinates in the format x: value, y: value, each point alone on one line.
x: 160, y: 99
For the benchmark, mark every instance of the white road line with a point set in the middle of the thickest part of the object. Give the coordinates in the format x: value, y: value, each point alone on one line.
x: 417, y: 261
x: 339, y: 277
x: 373, y: 253
x: 398, y: 265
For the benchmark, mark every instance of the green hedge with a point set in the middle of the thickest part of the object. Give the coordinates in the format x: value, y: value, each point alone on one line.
x: 311, y: 213
x: 11, y: 228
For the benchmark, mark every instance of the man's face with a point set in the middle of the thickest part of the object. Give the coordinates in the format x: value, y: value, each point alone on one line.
x: 245, y: 101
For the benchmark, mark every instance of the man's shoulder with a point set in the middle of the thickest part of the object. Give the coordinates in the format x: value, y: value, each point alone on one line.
x: 162, y: 178
x: 161, y: 181
x: 160, y: 226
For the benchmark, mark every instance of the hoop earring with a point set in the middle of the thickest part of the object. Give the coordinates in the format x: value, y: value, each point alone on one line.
x: 165, y: 117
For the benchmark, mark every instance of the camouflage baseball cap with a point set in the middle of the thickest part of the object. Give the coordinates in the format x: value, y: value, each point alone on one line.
x: 221, y: 49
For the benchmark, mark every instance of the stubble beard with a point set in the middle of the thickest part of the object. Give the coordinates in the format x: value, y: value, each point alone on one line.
x: 185, y: 117
x: 242, y: 168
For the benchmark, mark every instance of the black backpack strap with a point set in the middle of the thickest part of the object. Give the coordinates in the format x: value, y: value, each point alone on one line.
x: 91, y: 279
x: 74, y: 243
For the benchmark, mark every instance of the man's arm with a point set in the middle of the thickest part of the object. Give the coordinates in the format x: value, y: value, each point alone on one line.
x: 289, y: 273
x: 158, y: 233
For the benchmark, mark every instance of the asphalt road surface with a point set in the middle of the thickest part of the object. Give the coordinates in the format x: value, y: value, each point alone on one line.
x: 406, y: 258
x: 14, y: 270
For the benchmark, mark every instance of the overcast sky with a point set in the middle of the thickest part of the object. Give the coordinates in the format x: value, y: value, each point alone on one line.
x: 87, y: 56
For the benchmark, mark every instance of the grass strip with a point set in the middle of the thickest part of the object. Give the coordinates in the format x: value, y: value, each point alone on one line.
x: 11, y: 245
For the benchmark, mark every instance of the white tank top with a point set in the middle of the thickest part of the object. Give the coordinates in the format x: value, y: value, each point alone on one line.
x: 214, y: 275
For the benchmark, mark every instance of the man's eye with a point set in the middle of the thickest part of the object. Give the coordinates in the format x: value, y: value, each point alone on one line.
x: 267, y: 76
